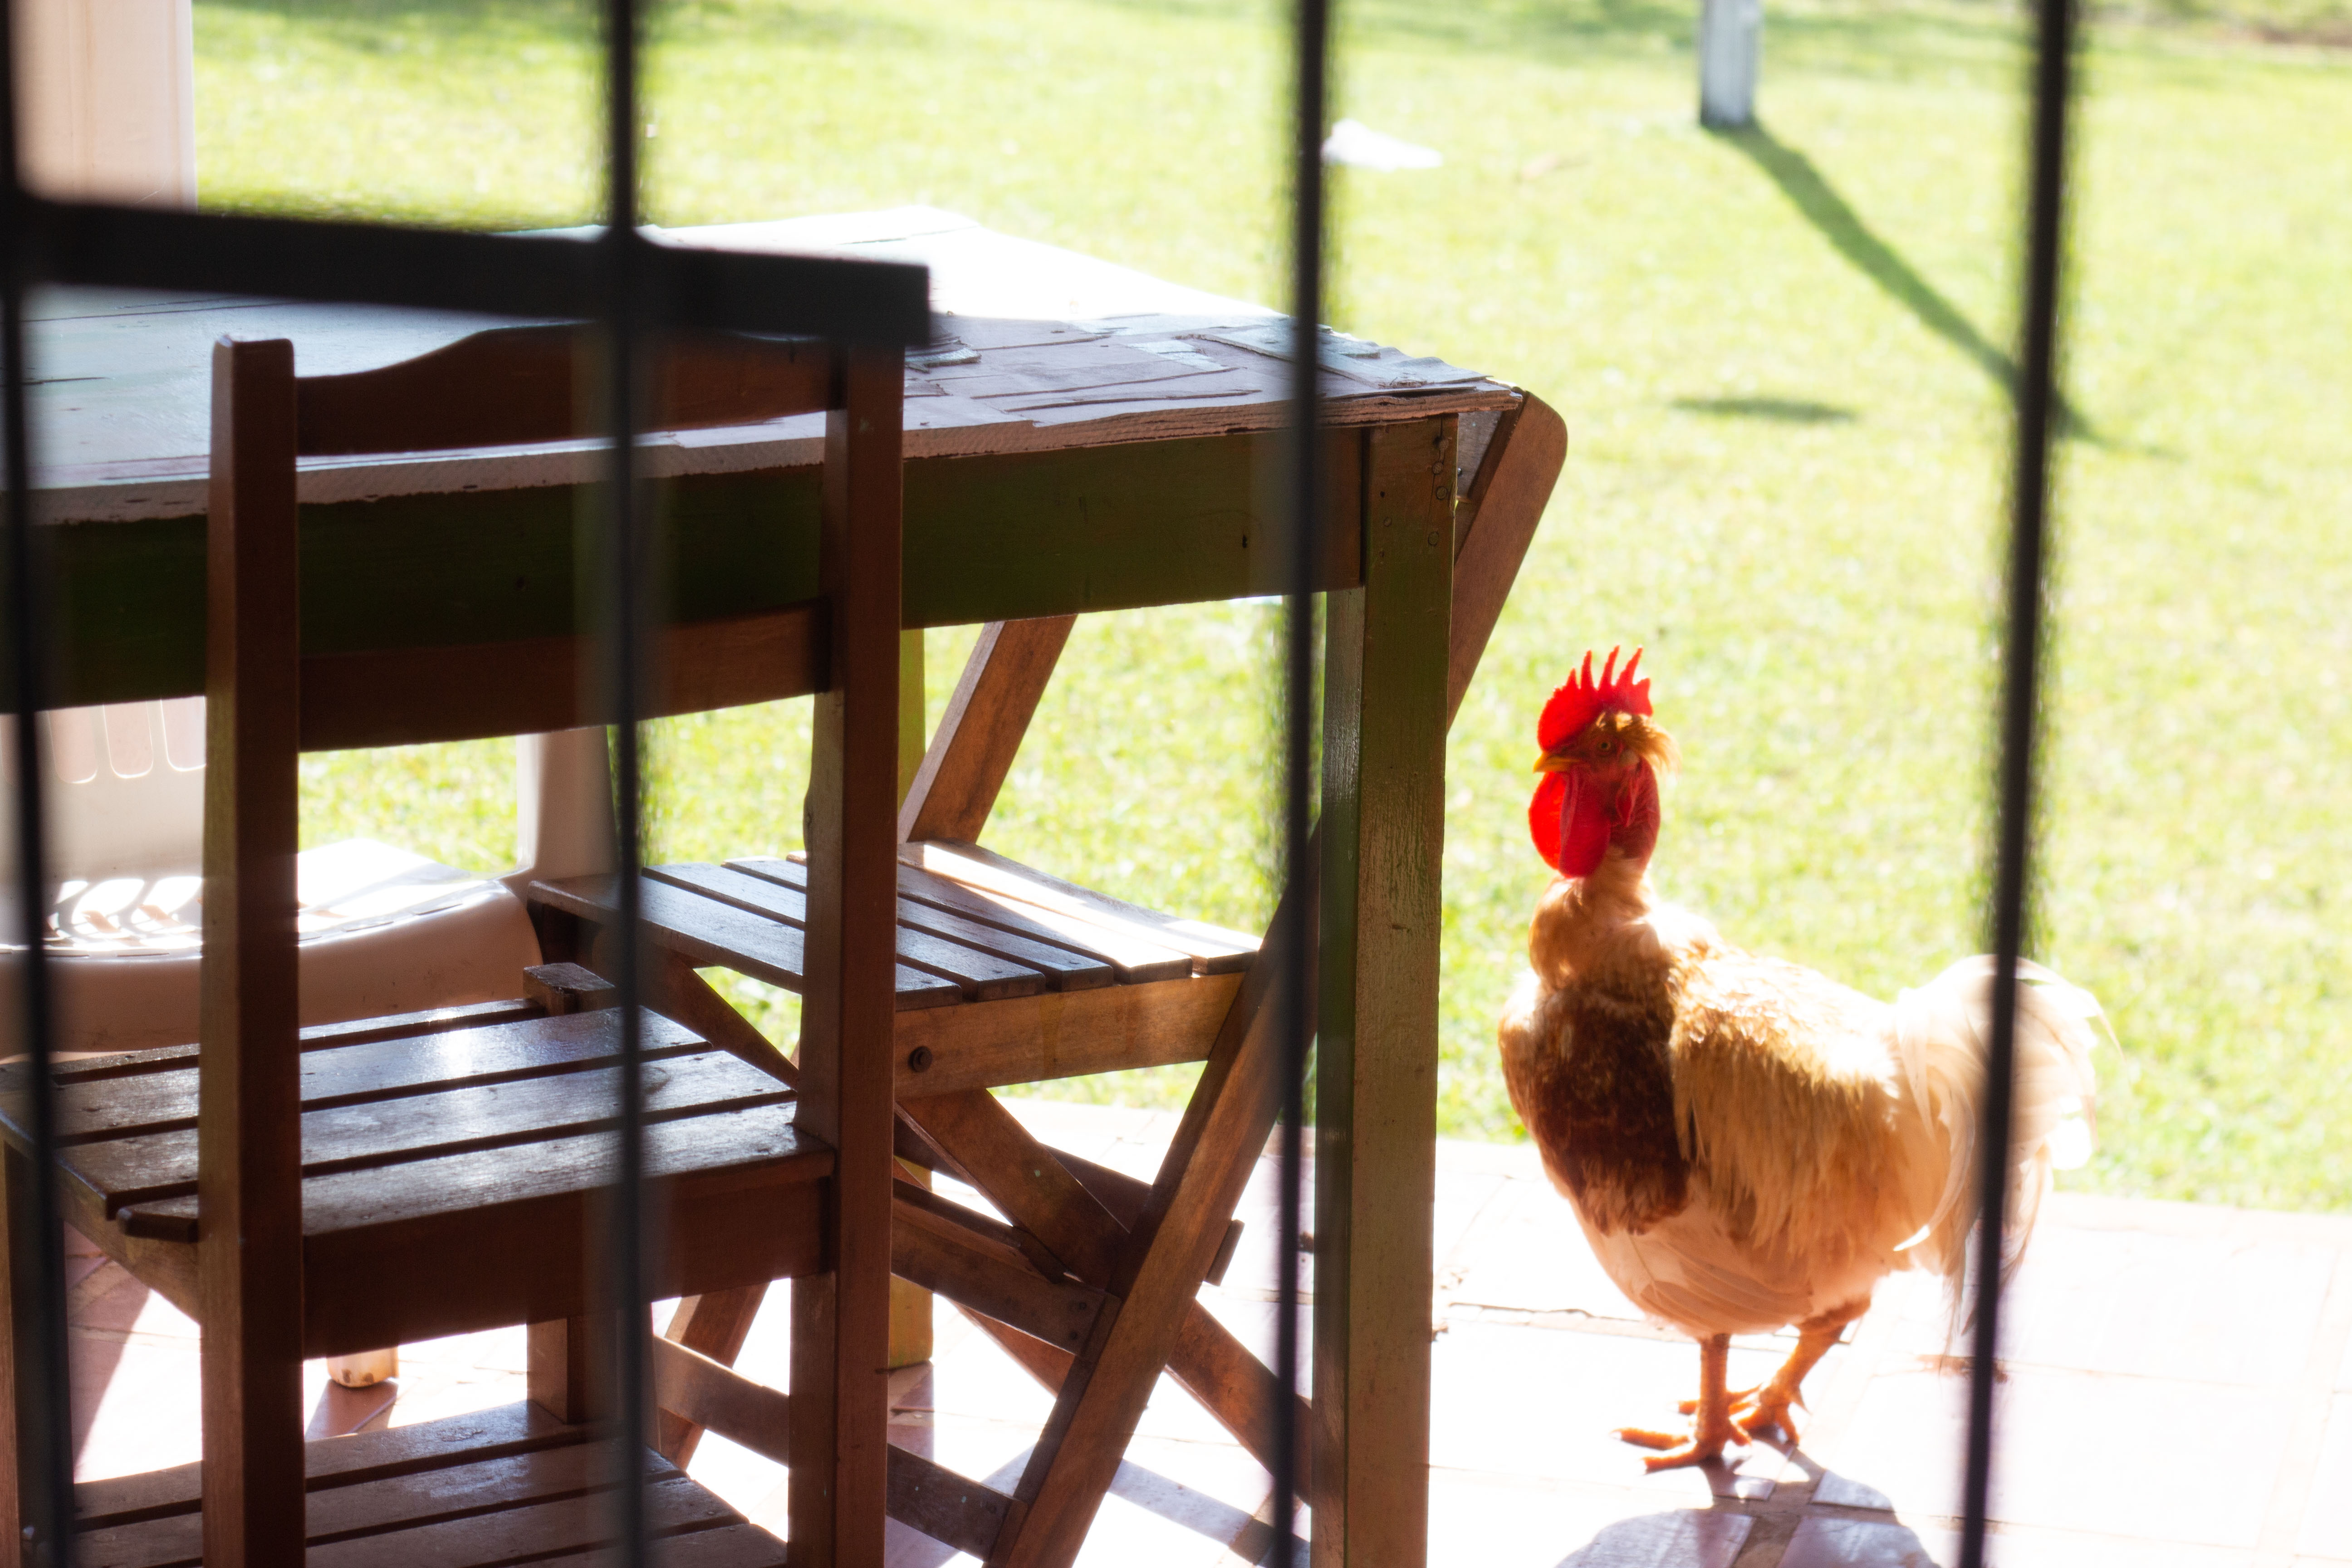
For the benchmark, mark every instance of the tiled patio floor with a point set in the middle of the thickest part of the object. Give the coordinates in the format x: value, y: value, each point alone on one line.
x: 2178, y: 1394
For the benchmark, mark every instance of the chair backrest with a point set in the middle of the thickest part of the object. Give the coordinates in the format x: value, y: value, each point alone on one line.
x: 266, y: 702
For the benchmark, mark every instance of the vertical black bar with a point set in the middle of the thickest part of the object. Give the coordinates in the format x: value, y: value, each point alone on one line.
x: 42, y: 1415
x: 2036, y: 401
x: 1312, y: 40
x: 626, y: 601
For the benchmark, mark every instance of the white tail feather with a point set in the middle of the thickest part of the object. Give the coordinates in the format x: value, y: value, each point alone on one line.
x: 1943, y: 1032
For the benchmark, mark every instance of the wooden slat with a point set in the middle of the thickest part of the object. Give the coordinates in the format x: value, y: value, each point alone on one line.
x: 380, y: 1071
x: 1049, y: 1364
x: 1505, y: 502
x: 674, y: 987
x: 707, y: 1394
x: 1061, y: 1198
x: 715, y: 1325
x: 1064, y: 968
x: 140, y: 1168
x: 1207, y: 1362
x: 250, y: 1258
x: 459, y: 691
x: 1126, y: 1198
x: 672, y: 1507
x: 1213, y: 949
x: 980, y: 976
x: 407, y: 1026
x: 980, y: 733
x: 909, y: 1193
x: 718, y: 934
x: 382, y: 1505
x: 729, y: 1546
x: 945, y: 1506
x: 315, y: 1037
x: 1202, y: 1175
x: 1023, y: 1179
x: 1135, y: 958
x: 473, y: 1241
x: 491, y: 1434
x: 470, y: 1242
x: 929, y: 1496
x: 965, y: 1266
x: 1028, y: 1039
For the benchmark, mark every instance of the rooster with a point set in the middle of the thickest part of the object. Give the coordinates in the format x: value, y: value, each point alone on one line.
x: 1749, y: 1143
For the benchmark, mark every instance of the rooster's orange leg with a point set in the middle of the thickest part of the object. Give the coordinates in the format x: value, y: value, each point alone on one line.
x: 1712, y: 1429
x: 1814, y: 1338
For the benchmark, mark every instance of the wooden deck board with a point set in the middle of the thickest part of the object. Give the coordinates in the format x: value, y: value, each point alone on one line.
x: 1134, y: 958
x: 980, y: 975
x: 147, y: 1166
x: 713, y: 933
x: 126, y: 1104
x: 1064, y: 967
x: 467, y: 1492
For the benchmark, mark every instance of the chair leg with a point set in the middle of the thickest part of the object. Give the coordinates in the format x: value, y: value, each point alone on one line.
x: 1201, y: 1178
x: 716, y: 1325
x: 567, y: 1367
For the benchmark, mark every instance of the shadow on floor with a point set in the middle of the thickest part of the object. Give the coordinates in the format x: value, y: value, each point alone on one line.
x: 1834, y: 216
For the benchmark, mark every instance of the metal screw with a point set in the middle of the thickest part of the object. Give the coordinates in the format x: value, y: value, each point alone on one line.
x: 919, y: 1059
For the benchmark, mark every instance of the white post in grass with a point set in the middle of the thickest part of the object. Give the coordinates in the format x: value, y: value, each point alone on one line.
x: 1730, y: 45
x: 109, y: 103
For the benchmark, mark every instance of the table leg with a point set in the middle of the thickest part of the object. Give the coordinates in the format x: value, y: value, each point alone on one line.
x: 1376, y: 1053
x: 910, y: 1304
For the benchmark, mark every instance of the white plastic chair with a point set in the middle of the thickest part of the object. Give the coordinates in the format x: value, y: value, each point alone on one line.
x: 383, y: 930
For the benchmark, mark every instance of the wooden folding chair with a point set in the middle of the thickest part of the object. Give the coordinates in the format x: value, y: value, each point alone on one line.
x: 1009, y: 975
x: 314, y: 1192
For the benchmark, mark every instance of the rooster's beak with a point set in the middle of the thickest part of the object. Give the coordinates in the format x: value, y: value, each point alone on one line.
x: 1550, y: 763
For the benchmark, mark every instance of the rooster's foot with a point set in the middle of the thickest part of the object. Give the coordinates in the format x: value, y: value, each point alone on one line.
x: 1770, y: 1412
x: 1738, y: 1397
x: 1703, y: 1445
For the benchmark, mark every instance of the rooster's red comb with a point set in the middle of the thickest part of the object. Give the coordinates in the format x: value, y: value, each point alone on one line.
x: 1577, y: 704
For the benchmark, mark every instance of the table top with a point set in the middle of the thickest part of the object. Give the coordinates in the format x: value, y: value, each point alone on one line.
x: 1035, y: 349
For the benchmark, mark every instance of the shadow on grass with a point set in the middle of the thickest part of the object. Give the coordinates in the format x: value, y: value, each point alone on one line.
x: 1834, y: 216
x: 1788, y: 410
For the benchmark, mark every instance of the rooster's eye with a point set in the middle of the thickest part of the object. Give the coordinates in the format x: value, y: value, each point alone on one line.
x: 1606, y: 749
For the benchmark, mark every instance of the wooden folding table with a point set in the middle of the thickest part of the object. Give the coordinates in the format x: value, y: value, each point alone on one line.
x: 1080, y: 437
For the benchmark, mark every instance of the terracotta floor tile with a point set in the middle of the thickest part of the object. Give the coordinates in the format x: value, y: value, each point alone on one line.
x: 2113, y: 1455
x: 1527, y: 1253
x: 2200, y: 1309
x: 2118, y: 1455
x: 1480, y: 1521
x: 147, y: 1412
x: 1875, y: 1543
x: 2327, y: 1520
x: 1543, y: 1405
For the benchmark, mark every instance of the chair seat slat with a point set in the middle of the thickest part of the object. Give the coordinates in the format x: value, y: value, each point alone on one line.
x: 1136, y: 957
x: 378, y: 1070
x: 714, y: 933
x: 980, y: 976
x: 1066, y: 968
x: 146, y: 1166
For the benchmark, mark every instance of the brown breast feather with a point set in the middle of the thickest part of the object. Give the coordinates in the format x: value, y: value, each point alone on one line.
x: 1601, y: 1103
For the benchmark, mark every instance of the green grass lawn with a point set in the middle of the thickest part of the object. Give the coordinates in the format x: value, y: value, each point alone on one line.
x: 1783, y: 360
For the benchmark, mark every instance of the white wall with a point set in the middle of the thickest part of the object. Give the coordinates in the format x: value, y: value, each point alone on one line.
x: 109, y: 94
